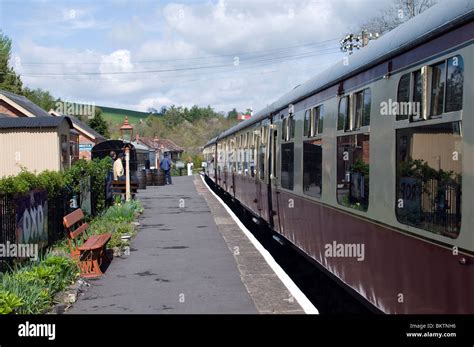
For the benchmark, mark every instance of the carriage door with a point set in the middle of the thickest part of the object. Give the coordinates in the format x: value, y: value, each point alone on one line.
x: 273, y: 184
x: 260, y: 179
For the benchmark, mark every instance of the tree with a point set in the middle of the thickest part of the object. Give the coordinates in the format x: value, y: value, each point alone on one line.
x: 232, y: 114
x: 9, y: 80
x: 40, y: 97
x: 388, y: 19
x: 99, y: 124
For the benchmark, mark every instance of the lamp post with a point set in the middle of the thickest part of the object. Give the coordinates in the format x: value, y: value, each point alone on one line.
x: 127, y: 135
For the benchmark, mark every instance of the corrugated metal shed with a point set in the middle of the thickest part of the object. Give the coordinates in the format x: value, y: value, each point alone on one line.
x: 26, y: 104
x: 33, y: 122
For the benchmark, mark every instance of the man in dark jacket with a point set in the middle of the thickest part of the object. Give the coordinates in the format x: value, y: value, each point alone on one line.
x: 165, y: 165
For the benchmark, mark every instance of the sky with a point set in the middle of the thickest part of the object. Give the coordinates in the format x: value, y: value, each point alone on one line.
x: 141, y: 54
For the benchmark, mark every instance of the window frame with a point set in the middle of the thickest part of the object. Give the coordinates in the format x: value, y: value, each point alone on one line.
x: 419, y: 69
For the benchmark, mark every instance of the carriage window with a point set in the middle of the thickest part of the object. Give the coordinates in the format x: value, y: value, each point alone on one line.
x: 287, y: 165
x: 312, y: 168
x: 353, y: 153
x: 246, y: 161
x: 317, y: 120
x: 403, y: 94
x: 454, y: 84
x: 359, y: 107
x: 367, y: 105
x: 418, y: 89
x: 261, y: 163
x: 429, y: 164
x: 292, y: 126
x: 437, y: 89
x: 307, y: 122
x: 252, y: 161
x: 343, y: 113
x: 284, y: 129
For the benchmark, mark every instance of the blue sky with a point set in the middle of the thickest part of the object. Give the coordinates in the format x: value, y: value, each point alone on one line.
x: 140, y: 54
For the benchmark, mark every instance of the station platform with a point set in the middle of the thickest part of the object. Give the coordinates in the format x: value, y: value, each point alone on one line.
x: 189, y: 257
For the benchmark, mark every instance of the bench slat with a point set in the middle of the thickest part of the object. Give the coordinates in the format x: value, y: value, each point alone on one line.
x: 95, y: 242
x: 79, y: 231
x: 72, y: 218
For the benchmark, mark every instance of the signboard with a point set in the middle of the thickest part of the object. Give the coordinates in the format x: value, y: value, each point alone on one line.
x: 31, y: 215
x: 85, y: 147
x: 179, y: 164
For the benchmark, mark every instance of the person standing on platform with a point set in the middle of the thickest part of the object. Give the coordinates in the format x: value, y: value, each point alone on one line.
x: 118, y: 167
x: 165, y: 165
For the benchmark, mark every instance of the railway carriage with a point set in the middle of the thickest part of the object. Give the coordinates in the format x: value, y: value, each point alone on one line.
x: 373, y: 154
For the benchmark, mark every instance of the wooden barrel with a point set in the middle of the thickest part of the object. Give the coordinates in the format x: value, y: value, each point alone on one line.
x: 149, y: 177
x: 158, y: 177
x: 141, y: 178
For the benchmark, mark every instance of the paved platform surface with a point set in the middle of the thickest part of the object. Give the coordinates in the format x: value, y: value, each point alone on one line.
x: 180, y: 262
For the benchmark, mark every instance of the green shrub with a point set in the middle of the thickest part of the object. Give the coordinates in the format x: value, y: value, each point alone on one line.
x: 97, y: 170
x: 123, y: 212
x: 35, y: 284
x: 9, y: 302
x: 31, y: 291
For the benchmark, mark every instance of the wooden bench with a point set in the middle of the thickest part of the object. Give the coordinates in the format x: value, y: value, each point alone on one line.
x: 119, y: 188
x: 89, y: 250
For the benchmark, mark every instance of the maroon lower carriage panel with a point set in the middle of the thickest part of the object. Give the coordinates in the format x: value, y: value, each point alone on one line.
x: 398, y: 274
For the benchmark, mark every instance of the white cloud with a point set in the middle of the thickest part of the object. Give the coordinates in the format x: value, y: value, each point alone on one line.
x: 185, y: 44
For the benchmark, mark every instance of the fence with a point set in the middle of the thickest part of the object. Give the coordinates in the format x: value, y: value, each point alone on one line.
x: 59, y: 205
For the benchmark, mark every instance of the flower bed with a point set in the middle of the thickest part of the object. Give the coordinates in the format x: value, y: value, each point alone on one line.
x: 31, y: 288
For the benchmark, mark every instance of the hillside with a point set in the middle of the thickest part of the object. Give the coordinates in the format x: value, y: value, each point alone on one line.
x: 117, y: 115
x: 189, y: 128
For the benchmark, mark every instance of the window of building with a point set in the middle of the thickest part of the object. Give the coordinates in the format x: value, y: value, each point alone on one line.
x: 429, y: 175
x: 353, y: 154
x: 287, y: 165
x: 454, y: 83
x: 65, y: 152
x: 343, y: 114
x: 312, y: 167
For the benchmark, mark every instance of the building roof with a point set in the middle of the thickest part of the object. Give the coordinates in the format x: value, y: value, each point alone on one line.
x: 25, y: 103
x: 157, y: 143
x: 33, y: 122
x: 434, y: 21
x: 78, y: 124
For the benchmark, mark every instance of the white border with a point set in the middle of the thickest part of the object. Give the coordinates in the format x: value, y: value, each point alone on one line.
x: 307, y: 306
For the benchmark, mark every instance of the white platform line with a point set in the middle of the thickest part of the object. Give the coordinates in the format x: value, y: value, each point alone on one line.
x: 307, y: 306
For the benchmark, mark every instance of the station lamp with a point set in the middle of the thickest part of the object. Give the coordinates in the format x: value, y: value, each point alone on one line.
x: 126, y: 131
